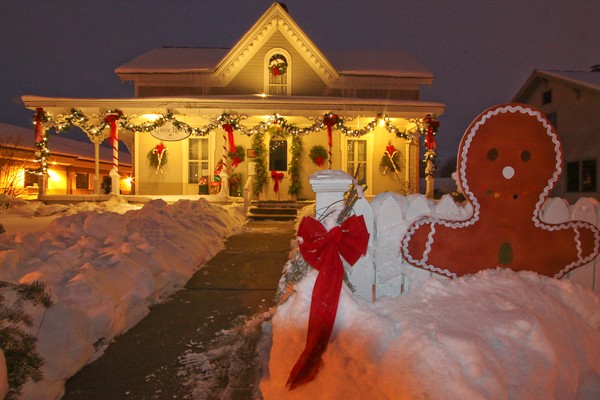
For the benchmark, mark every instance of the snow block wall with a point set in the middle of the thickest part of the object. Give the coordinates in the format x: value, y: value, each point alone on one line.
x: 383, y: 272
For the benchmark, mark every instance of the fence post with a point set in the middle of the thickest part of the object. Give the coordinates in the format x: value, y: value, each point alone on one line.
x: 329, y: 186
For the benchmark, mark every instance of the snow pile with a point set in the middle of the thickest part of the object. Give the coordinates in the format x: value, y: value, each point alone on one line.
x: 104, y: 269
x: 498, y: 334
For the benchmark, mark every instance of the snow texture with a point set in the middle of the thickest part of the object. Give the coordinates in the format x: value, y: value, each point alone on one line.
x: 104, y: 265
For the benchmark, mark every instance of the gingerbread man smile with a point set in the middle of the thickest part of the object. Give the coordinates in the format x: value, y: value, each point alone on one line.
x: 509, y: 160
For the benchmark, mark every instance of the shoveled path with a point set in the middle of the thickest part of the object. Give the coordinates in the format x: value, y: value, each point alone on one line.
x: 145, y: 362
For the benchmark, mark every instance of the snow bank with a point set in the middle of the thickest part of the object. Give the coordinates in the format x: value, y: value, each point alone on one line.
x: 104, y: 269
x: 498, y: 334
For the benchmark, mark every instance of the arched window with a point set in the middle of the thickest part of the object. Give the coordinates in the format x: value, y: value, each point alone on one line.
x: 278, y: 73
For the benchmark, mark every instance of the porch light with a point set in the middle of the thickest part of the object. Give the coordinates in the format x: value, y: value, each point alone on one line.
x: 262, y: 95
x: 151, y: 117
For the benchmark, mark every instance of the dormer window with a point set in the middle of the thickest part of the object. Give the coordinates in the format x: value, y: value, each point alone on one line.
x: 277, y: 73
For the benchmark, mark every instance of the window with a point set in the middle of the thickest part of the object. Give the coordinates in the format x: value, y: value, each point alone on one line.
x: 547, y: 97
x: 278, y: 155
x: 197, y: 159
x: 31, y: 179
x: 357, y: 159
x: 82, y: 181
x: 277, y: 73
x: 581, y: 176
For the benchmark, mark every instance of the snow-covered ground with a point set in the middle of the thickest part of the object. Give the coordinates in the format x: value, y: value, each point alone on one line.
x: 497, y: 334
x: 104, y: 265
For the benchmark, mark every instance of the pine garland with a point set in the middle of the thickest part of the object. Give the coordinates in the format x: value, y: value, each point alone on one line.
x: 260, y: 151
x: 294, y: 171
x: 22, y: 360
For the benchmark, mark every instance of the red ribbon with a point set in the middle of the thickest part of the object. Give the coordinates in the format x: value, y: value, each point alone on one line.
x: 159, y: 148
x: 39, y: 112
x: 275, y: 71
x: 319, y: 161
x: 277, y: 176
x: 330, y: 120
x: 432, y: 127
x: 229, y: 129
x: 322, y: 250
x: 236, y: 161
x: 111, y: 119
x: 390, y: 149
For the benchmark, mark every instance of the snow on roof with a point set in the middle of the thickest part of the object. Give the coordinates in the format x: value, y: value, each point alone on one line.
x: 175, y: 59
x: 396, y: 63
x: 58, y: 145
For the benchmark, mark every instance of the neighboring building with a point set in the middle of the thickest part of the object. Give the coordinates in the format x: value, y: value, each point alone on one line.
x: 274, y: 84
x: 571, y: 101
x: 71, y: 164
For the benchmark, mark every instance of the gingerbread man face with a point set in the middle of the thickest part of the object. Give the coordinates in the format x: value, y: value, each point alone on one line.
x: 509, y: 160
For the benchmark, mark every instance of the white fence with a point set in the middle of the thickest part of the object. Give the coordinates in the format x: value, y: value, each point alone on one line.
x: 383, y: 271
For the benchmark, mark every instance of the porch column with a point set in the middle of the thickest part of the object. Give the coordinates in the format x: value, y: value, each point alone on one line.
x: 41, y: 143
x: 97, y: 180
x: 114, y: 172
x: 329, y: 186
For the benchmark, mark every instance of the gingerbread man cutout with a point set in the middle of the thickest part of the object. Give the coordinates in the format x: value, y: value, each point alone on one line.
x: 509, y: 159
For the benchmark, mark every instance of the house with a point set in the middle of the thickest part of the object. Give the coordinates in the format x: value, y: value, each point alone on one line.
x: 571, y: 101
x: 71, y: 165
x: 264, y: 114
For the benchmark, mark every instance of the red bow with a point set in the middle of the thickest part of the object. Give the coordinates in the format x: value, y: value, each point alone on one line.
x: 390, y: 149
x: 322, y: 250
x: 277, y: 176
x: 159, y: 148
x: 236, y: 161
x: 111, y: 119
x: 229, y: 129
x: 275, y: 71
x: 39, y: 112
x: 432, y: 127
x: 319, y: 161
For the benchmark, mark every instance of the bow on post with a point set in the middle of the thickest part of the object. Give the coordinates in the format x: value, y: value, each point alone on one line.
x: 278, y: 176
x: 229, y: 129
x: 432, y: 127
x: 111, y: 119
x: 39, y: 114
x: 322, y: 249
x: 330, y: 120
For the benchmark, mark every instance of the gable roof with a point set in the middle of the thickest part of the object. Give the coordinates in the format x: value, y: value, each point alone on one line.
x: 587, y: 80
x: 226, y: 63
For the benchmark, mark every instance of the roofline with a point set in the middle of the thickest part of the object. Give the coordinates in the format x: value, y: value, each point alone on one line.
x: 286, y: 105
x: 553, y: 75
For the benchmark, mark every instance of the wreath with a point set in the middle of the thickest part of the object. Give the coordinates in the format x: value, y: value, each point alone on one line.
x: 390, y: 159
x: 318, y: 155
x: 278, y: 65
x: 157, y: 157
x: 238, y: 156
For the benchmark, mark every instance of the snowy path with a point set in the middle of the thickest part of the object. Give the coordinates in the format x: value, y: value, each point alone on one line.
x: 200, y: 343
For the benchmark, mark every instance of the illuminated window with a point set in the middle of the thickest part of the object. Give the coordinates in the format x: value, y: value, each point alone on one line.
x: 278, y: 155
x: 278, y: 73
x: 31, y: 179
x: 197, y: 159
x: 357, y: 159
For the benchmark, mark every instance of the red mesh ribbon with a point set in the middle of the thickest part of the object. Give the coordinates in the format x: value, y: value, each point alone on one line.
x: 277, y: 176
x: 111, y: 119
x: 322, y: 250
x: 432, y: 127
x: 229, y: 129
x: 39, y: 112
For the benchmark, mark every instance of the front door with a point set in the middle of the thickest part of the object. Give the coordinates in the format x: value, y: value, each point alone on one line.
x: 279, y: 183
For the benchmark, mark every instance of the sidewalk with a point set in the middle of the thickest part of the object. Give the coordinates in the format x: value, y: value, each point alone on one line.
x: 145, y: 362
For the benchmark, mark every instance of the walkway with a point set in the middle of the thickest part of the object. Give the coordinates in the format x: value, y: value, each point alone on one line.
x: 146, y: 362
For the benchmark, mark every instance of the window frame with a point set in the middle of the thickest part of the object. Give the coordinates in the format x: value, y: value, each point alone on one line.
x: 267, y: 73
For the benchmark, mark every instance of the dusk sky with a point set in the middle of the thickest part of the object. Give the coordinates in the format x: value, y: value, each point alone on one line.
x: 481, y: 52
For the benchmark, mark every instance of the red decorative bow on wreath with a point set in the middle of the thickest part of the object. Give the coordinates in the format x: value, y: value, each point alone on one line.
x: 322, y: 250
x: 229, y: 129
x: 319, y: 161
x: 278, y: 176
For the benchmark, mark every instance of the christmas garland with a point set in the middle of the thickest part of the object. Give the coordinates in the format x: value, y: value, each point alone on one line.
x: 237, y: 157
x: 294, y: 171
x: 260, y: 151
x: 278, y: 65
x: 318, y: 155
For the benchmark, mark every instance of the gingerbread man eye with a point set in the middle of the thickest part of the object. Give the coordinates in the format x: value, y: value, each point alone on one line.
x: 492, y: 154
x: 525, y: 155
